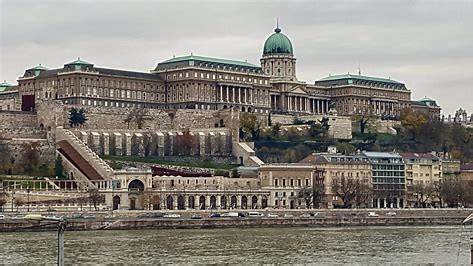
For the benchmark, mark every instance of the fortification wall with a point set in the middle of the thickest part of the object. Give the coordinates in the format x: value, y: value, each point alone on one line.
x: 16, y: 147
x: 340, y: 126
x: 17, y: 124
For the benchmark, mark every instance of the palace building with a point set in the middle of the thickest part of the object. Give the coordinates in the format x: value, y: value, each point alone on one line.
x: 198, y: 82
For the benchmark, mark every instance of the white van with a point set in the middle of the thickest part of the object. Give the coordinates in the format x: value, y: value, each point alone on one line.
x: 230, y: 214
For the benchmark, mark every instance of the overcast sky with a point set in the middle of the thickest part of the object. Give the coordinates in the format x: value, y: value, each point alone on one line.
x: 426, y: 44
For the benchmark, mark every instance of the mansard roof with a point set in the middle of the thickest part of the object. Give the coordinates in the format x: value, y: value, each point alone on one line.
x: 349, y: 79
x: 106, y: 71
x: 209, y: 62
x: 128, y: 74
x: 4, y: 86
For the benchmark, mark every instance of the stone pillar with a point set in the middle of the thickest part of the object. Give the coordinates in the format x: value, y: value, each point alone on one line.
x: 106, y: 143
x: 218, y: 201
x: 84, y: 137
x: 95, y: 142
x: 238, y: 203
x: 127, y: 144
x: 172, y: 140
x: 117, y: 144
x: 223, y: 143
x: 221, y: 93
x: 139, y: 144
x: 186, y: 201
x: 174, y: 201
x: 202, y: 150
x: 228, y: 93
x: 213, y: 143
x: 207, y: 201
x: 259, y: 202
x: 160, y: 144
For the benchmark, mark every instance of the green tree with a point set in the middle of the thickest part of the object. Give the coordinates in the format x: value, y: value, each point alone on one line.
x: 345, y: 148
x: 250, y: 127
x: 58, y: 167
x: 413, y: 122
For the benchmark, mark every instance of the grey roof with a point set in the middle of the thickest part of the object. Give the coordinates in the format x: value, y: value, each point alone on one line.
x: 377, y: 154
x: 106, y: 71
x: 125, y: 73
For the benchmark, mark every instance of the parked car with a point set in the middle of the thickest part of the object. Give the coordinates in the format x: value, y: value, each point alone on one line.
x: 272, y: 215
x: 172, y: 215
x: 391, y: 214
x: 196, y: 217
x: 372, y: 214
x: 318, y: 215
x: 255, y: 214
x: 215, y: 215
x: 230, y: 214
x: 305, y: 215
x: 288, y: 215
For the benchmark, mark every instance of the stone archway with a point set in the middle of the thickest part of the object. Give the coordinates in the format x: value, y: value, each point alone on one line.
x: 191, y: 202
x: 244, y: 202
x: 169, y: 202
x: 181, y: 205
x: 254, y: 202
x: 202, y: 203
x: 223, y: 202
x: 116, y: 202
x: 213, y: 202
x: 136, y: 185
x: 233, y: 202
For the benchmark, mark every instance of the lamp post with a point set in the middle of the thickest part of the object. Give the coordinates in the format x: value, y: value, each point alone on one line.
x: 28, y: 197
x: 12, y: 200
x: 61, y: 227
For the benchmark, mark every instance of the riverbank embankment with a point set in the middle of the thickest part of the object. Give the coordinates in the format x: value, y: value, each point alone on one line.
x: 125, y: 220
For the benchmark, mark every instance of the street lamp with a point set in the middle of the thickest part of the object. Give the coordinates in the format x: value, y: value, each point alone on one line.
x: 61, y: 227
x: 28, y: 193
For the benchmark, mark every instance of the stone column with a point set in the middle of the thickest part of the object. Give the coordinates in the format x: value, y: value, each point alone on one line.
x: 186, y: 201
x: 84, y: 137
x: 238, y: 203
x: 218, y: 201
x: 259, y: 202
x: 127, y: 143
x: 251, y: 95
x: 202, y: 149
x: 172, y: 140
x: 221, y: 93
x: 227, y: 94
x: 95, y: 142
x: 139, y: 142
x: 213, y: 143
x: 239, y: 95
x: 117, y: 144
x: 207, y: 201
x: 233, y: 95
x: 223, y: 142
x: 106, y: 143
x: 159, y: 144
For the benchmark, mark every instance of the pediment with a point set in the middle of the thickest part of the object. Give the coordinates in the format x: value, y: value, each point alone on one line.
x: 297, y: 90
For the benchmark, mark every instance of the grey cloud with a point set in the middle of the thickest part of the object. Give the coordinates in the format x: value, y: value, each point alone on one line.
x: 426, y: 44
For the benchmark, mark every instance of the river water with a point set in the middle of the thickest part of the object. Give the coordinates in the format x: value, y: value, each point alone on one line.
x: 354, y: 245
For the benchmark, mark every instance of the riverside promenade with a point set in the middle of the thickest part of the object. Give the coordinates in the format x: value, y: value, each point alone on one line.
x: 124, y: 220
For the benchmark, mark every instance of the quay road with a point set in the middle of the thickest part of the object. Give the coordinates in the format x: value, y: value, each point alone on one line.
x: 108, y: 220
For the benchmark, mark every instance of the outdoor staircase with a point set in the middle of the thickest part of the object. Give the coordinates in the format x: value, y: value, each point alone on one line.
x: 81, y: 156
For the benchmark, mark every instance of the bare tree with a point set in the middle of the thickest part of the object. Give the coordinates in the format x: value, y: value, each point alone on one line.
x: 95, y: 197
x: 422, y: 193
x: 137, y: 116
x: 353, y: 192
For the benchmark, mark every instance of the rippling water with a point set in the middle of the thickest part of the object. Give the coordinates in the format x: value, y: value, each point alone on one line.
x: 354, y: 245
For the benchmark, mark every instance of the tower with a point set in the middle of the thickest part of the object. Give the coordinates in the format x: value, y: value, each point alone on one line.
x: 278, y: 58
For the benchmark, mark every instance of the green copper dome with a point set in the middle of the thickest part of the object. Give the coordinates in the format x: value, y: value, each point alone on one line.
x: 277, y: 43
